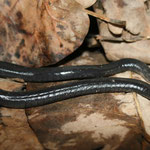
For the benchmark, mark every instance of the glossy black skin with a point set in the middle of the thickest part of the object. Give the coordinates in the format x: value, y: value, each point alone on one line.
x: 73, y: 72
x: 73, y: 89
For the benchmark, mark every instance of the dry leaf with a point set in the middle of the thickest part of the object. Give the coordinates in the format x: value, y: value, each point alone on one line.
x: 86, y: 3
x: 137, y: 17
x: 9, y: 85
x: 93, y: 121
x: 36, y: 33
x: 15, y: 131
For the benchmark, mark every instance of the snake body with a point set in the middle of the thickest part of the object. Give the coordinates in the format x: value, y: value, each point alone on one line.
x: 8, y: 70
x: 93, y: 81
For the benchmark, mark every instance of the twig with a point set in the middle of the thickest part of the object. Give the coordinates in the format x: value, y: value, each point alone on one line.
x: 106, y: 19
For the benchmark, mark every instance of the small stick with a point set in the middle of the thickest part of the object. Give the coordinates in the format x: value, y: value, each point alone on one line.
x: 106, y: 19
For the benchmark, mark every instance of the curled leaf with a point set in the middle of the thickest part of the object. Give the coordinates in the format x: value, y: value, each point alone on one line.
x: 132, y: 41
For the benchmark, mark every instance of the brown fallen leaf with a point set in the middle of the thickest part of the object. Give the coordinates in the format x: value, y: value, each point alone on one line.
x: 132, y: 41
x: 86, y: 3
x: 10, y: 85
x: 93, y: 121
x: 15, y: 131
x: 37, y: 33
